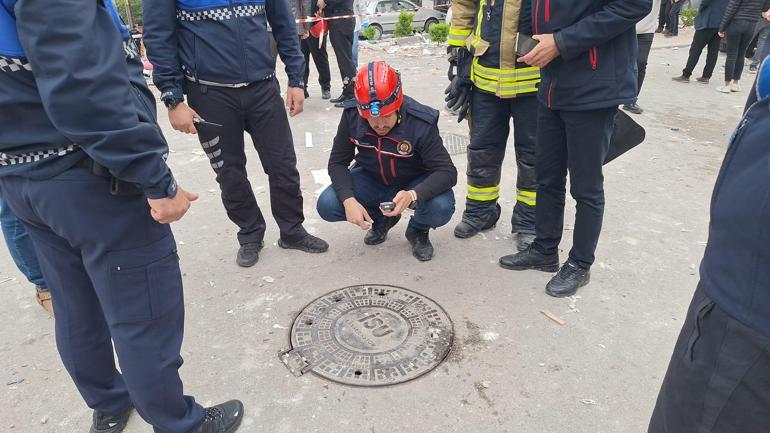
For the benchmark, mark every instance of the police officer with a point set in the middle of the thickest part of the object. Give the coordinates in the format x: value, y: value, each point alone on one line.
x: 587, y: 51
x: 400, y: 158
x: 718, y: 379
x: 84, y: 168
x: 218, y: 52
x: 341, y: 36
x: 482, y: 46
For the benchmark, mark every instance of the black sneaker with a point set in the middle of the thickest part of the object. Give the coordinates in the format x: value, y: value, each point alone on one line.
x: 530, y: 259
x: 341, y: 104
x: 308, y: 244
x: 570, y: 278
x: 470, y: 227
x: 107, y: 423
x: 307, y: 94
x: 326, y: 94
x: 379, y: 231
x: 248, y: 254
x: 222, y: 418
x: 633, y: 108
x: 702, y: 80
x: 681, y: 79
x: 524, y: 240
x: 341, y: 98
x: 422, y: 249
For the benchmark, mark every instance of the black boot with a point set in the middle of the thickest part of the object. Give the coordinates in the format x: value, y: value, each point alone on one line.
x: 341, y: 104
x: 107, y: 423
x: 570, y: 278
x: 308, y: 244
x: 248, y: 254
x: 524, y: 240
x: 530, y: 259
x: 422, y: 249
x: 343, y: 97
x: 473, y: 222
x: 379, y: 231
x: 222, y: 418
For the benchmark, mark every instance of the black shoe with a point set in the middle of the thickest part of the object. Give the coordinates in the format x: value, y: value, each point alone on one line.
x: 669, y: 35
x: 106, y: 423
x: 308, y: 244
x: 341, y: 98
x: 659, y: 30
x: 468, y: 228
x: 570, y: 278
x: 702, y: 80
x: 530, y: 259
x: 633, y: 108
x: 682, y: 79
x: 379, y: 231
x: 524, y: 240
x: 326, y: 94
x: 222, y: 418
x: 341, y: 104
x: 307, y: 94
x: 248, y: 254
x: 422, y: 249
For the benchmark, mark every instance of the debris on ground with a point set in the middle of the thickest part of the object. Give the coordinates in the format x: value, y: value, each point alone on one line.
x: 553, y: 317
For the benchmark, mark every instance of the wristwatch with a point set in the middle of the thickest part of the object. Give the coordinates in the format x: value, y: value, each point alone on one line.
x: 170, y: 100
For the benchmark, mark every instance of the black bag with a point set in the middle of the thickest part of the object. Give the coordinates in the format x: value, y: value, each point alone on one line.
x: 626, y: 135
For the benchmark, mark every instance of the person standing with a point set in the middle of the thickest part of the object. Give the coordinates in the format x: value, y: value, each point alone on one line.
x: 218, y: 53
x: 645, y: 33
x: 672, y: 19
x: 311, y: 45
x: 587, y: 55
x: 359, y: 8
x: 84, y: 169
x: 761, y: 32
x: 737, y: 27
x: 763, y: 52
x: 707, y: 24
x: 341, y: 36
x: 718, y: 378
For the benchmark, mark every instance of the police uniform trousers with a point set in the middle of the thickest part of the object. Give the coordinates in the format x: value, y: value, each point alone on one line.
x: 114, y: 276
x: 309, y: 46
x: 259, y: 110
x: 576, y: 142
x: 341, y: 38
x: 490, y: 127
x: 718, y: 379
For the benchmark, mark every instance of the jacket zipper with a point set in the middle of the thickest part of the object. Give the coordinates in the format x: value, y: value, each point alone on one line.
x: 550, y: 92
x: 593, y: 57
x: 379, y: 160
x: 241, y: 41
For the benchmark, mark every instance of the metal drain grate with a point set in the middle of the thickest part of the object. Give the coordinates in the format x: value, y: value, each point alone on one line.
x: 456, y: 144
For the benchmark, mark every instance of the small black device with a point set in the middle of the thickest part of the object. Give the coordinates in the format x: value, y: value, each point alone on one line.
x: 387, y: 206
x: 524, y: 44
x: 203, y: 122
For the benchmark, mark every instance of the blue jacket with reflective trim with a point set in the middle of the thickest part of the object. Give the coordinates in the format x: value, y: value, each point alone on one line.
x: 76, y: 89
x: 597, y: 42
x: 735, y: 271
x: 222, y: 41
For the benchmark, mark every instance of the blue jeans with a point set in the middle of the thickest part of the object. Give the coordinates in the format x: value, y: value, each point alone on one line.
x: 433, y: 213
x: 21, y: 247
x: 355, y: 48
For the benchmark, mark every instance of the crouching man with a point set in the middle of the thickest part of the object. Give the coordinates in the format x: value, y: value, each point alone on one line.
x: 400, y: 159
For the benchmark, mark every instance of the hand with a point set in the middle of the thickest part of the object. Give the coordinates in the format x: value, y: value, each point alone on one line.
x: 181, y: 118
x: 295, y: 100
x: 722, y: 34
x: 402, y: 200
x: 167, y: 210
x: 356, y: 214
x: 306, y: 34
x: 321, y: 5
x: 543, y: 53
x: 460, y: 88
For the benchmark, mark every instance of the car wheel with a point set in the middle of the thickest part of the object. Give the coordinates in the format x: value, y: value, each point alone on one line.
x: 430, y: 22
x: 377, y: 31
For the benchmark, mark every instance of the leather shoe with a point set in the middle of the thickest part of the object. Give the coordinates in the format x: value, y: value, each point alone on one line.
x: 570, y: 278
x: 379, y: 231
x: 341, y: 98
x: 530, y: 259
x: 422, y: 249
x: 326, y: 94
x: 308, y: 244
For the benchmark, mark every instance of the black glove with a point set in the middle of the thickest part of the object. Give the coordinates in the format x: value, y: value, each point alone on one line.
x: 460, y: 86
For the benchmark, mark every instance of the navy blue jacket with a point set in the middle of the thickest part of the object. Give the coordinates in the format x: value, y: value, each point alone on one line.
x: 710, y: 14
x: 735, y: 271
x: 413, y: 148
x: 222, y: 41
x: 597, y: 41
x: 73, y: 89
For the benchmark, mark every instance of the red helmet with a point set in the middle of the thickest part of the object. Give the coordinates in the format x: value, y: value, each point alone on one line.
x: 378, y: 90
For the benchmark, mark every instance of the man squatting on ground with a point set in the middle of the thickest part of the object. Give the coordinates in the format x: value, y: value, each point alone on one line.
x: 400, y: 158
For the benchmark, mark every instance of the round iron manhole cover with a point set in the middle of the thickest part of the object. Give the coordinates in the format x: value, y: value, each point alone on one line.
x: 370, y: 335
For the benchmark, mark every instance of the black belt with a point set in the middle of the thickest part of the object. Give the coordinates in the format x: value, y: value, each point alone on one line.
x: 117, y: 187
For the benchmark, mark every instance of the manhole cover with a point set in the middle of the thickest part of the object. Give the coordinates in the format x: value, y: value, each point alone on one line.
x: 370, y: 335
x: 456, y: 144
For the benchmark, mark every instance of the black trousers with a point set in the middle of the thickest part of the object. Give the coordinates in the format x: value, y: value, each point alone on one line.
x: 739, y: 35
x: 574, y: 141
x: 490, y: 127
x: 644, y: 41
x: 703, y: 38
x: 717, y: 380
x: 259, y: 110
x: 341, y: 37
x: 665, y: 7
x: 310, y: 47
x: 672, y: 21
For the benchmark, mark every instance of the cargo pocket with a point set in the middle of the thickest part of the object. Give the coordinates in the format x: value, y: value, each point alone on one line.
x: 476, y: 46
x: 701, y: 312
x: 145, y: 283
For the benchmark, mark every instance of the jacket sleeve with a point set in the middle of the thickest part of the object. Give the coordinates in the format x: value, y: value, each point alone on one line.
x: 600, y: 27
x: 82, y: 77
x: 160, y: 38
x: 341, y: 156
x: 463, y: 16
x: 732, y: 8
x: 443, y: 174
x: 285, y: 33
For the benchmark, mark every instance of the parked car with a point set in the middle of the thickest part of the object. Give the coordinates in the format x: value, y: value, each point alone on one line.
x: 386, y: 12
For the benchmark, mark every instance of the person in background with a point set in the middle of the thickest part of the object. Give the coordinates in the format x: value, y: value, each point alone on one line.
x: 761, y: 32
x: 359, y: 8
x: 707, y: 24
x: 310, y: 47
x: 762, y: 53
x: 645, y: 33
x: 341, y: 37
x: 301, y: 9
x: 665, y: 7
x: 24, y: 255
x: 737, y: 26
x: 672, y: 19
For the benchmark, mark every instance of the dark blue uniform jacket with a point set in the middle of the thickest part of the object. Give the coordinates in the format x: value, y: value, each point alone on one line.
x: 71, y: 88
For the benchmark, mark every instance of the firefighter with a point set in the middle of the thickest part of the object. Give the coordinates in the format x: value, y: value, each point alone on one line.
x: 493, y: 86
x: 400, y: 158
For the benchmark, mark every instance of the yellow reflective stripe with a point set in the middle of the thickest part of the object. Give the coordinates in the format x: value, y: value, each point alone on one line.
x: 488, y: 193
x: 479, y: 17
x: 526, y: 197
x: 482, y: 197
x: 454, y: 31
x: 497, y: 88
x: 485, y: 189
x: 525, y: 193
x: 457, y: 37
x: 507, y: 74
